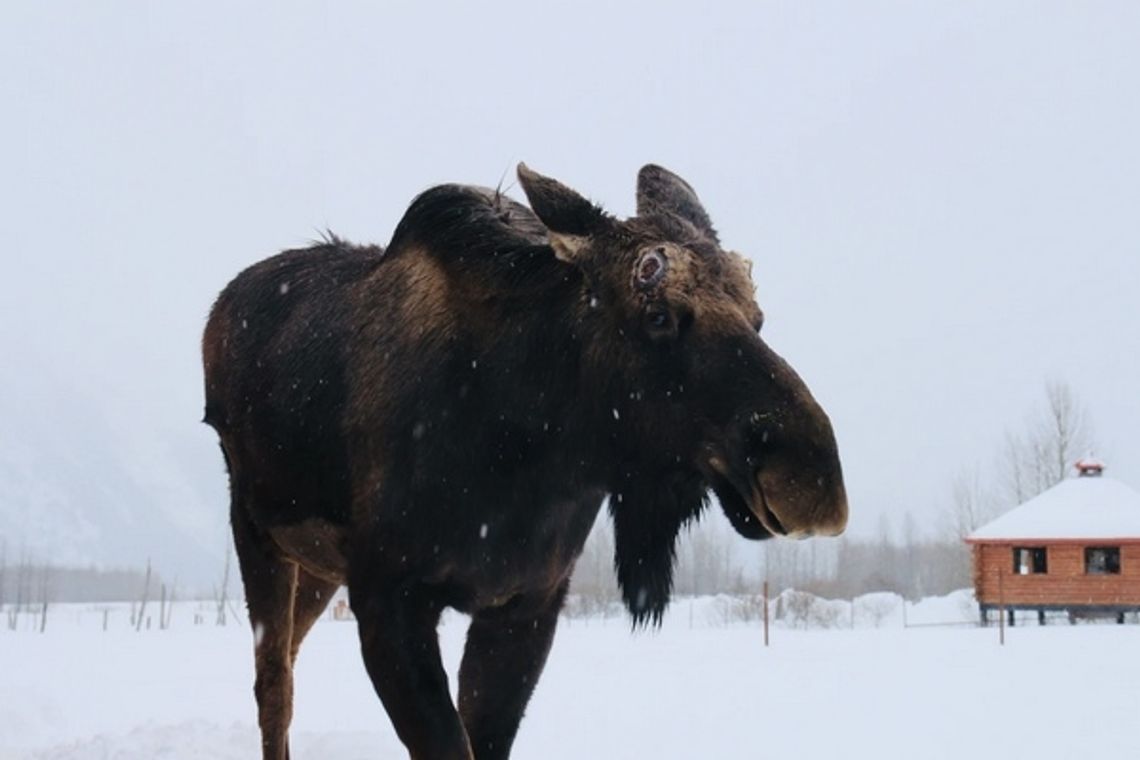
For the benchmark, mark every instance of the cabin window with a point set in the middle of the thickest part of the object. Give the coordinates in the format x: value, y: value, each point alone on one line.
x: 1029, y: 560
x: 1102, y: 560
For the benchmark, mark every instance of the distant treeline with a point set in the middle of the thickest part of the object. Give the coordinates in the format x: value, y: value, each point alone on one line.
x: 711, y: 559
x: 30, y: 582
x: 853, y: 567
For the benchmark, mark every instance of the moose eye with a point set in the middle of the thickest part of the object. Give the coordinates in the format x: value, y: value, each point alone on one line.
x: 651, y: 268
x: 659, y: 323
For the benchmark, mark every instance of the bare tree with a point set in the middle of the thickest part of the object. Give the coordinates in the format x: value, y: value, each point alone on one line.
x: 1030, y: 462
x: 594, y: 584
x: 1043, y: 455
x: 971, y: 504
x: 705, y: 559
x: 913, y: 586
x: 1017, y: 478
x: 1067, y: 428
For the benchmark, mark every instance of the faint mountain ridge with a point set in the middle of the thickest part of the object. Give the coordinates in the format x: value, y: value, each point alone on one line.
x: 74, y: 490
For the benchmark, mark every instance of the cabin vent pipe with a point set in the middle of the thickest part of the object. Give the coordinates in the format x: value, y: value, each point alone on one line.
x: 1089, y: 468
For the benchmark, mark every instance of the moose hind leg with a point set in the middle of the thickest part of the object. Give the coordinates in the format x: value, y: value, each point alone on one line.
x: 270, y: 586
x: 505, y: 654
x: 312, y: 597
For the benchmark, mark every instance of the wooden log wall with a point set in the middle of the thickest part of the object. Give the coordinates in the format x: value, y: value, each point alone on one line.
x: 1065, y: 582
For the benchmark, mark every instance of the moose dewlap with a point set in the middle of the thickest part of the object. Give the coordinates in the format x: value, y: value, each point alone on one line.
x: 437, y: 424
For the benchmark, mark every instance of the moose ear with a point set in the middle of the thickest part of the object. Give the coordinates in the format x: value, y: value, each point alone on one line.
x: 661, y: 191
x: 570, y: 218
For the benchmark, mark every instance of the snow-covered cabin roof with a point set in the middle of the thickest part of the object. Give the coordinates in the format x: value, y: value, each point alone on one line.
x: 1077, y: 508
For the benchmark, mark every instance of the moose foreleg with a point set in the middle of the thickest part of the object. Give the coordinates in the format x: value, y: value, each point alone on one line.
x: 505, y: 653
x: 401, y: 652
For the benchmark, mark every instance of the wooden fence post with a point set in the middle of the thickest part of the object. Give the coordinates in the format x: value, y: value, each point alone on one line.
x: 1001, y: 608
x: 765, y: 613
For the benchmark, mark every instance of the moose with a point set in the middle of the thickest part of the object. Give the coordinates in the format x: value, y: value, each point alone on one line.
x: 438, y: 424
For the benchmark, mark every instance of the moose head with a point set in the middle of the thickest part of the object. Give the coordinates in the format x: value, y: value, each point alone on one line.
x: 698, y: 398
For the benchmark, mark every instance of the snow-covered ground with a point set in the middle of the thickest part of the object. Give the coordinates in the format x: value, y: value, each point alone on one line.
x: 700, y: 687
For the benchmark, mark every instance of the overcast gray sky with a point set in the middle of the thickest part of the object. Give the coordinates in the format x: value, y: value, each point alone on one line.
x: 942, y: 199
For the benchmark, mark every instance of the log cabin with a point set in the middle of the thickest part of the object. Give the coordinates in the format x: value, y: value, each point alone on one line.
x: 1074, y: 548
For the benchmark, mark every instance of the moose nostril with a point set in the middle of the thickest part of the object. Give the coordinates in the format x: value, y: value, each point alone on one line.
x: 759, y: 432
x: 760, y: 419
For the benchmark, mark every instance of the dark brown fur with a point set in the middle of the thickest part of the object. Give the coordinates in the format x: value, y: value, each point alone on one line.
x: 438, y: 424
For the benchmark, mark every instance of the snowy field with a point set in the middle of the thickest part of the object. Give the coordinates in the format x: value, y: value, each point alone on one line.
x: 698, y: 688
